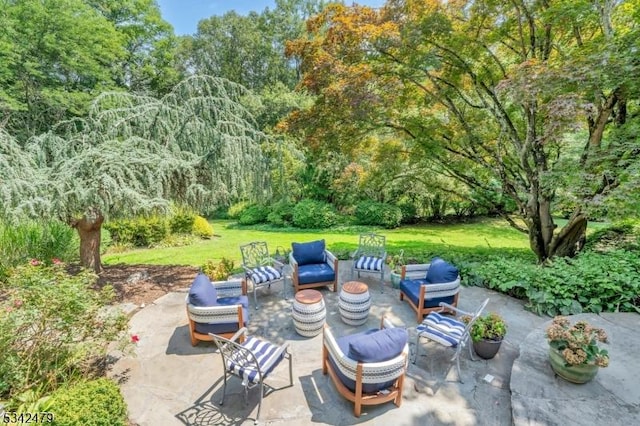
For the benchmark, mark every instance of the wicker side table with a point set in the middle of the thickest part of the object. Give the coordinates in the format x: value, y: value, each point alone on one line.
x: 354, y: 303
x: 309, y: 313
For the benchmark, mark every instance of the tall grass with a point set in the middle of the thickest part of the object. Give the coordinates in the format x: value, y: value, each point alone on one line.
x: 36, y: 240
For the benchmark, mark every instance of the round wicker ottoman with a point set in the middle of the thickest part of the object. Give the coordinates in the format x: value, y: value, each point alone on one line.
x: 354, y: 303
x: 308, y: 313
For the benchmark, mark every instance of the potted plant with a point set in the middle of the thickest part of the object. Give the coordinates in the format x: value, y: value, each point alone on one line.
x: 487, y: 333
x: 574, y: 353
x: 395, y: 263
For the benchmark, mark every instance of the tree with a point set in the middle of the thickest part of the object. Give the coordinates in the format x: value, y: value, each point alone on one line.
x: 56, y: 57
x: 485, y: 91
x: 133, y: 154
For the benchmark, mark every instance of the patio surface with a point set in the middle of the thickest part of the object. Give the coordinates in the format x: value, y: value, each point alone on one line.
x: 166, y: 381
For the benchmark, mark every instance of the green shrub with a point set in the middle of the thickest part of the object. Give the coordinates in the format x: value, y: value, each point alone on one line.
x: 254, y: 214
x: 51, y: 325
x: 140, y: 231
x: 89, y: 403
x: 311, y: 214
x: 281, y: 213
x: 235, y: 210
x: 37, y: 240
x: 202, y: 228
x: 378, y: 214
x: 590, y: 282
x: 181, y: 221
x: 409, y: 212
x: 218, y: 271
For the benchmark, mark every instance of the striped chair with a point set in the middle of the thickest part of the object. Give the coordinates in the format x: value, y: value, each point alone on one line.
x: 370, y: 256
x: 250, y: 361
x: 448, y: 331
x: 367, y: 368
x: 260, y: 268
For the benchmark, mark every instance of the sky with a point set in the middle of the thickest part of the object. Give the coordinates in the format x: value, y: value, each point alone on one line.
x: 184, y: 15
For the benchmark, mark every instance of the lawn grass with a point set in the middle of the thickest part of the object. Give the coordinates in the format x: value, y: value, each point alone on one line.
x: 488, y: 233
x: 484, y: 236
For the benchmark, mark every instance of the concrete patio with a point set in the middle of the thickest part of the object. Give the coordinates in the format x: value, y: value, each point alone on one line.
x: 166, y: 381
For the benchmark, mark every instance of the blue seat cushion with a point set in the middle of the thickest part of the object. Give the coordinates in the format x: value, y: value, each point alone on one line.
x: 309, y: 253
x: 379, y: 346
x: 267, y: 357
x: 411, y: 289
x: 235, y: 300
x: 265, y: 274
x: 444, y: 330
x: 343, y: 343
x: 441, y: 272
x: 369, y: 263
x: 309, y: 274
x: 229, y: 327
x: 202, y: 293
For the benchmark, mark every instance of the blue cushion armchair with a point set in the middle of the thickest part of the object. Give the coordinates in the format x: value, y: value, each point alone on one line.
x: 367, y: 368
x: 313, y: 266
x: 220, y: 307
x: 426, y: 285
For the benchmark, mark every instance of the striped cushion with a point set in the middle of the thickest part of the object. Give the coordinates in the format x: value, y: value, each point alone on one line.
x: 266, y: 354
x: 265, y: 274
x: 449, y: 331
x: 369, y: 263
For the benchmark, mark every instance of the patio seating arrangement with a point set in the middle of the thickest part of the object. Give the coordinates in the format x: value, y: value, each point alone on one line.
x: 250, y: 361
x: 449, y: 332
x: 370, y: 256
x: 367, y: 368
x: 260, y: 268
x: 313, y: 266
x: 424, y: 286
x: 220, y: 307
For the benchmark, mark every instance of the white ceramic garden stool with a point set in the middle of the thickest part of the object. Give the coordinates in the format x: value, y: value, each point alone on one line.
x: 309, y: 313
x: 354, y: 303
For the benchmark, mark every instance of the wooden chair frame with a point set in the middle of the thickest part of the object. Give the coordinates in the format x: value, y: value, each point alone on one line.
x: 420, y: 270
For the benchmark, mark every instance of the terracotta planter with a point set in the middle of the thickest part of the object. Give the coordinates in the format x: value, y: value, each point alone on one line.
x: 487, y: 349
x: 572, y: 373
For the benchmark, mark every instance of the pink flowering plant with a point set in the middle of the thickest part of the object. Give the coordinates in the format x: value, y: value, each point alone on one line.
x: 578, y: 343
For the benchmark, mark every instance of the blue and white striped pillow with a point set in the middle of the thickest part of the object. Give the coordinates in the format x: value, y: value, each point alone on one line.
x: 264, y: 274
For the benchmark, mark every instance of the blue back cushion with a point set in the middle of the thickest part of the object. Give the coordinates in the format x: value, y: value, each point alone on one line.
x: 202, y: 292
x: 379, y: 346
x: 441, y: 272
x: 308, y: 253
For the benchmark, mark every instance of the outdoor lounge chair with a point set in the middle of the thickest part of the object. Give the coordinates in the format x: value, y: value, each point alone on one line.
x: 425, y: 285
x: 260, y: 268
x: 219, y: 307
x: 367, y: 368
x: 251, y: 360
x: 450, y: 332
x: 313, y: 266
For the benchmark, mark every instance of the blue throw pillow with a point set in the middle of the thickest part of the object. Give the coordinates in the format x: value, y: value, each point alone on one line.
x: 441, y: 272
x: 379, y: 346
x: 202, y: 293
x: 308, y: 253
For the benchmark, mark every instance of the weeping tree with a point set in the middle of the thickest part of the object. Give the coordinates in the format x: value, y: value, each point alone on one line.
x: 133, y: 155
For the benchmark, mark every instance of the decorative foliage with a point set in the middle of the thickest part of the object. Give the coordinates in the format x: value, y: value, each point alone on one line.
x: 218, y: 271
x: 312, y: 214
x: 488, y: 327
x: 202, y: 228
x: 578, y: 343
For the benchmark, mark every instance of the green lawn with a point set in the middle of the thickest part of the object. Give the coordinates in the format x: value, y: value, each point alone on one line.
x: 485, y: 234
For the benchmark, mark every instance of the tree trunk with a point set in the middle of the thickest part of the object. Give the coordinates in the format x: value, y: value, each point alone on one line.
x: 89, y: 232
x: 571, y: 239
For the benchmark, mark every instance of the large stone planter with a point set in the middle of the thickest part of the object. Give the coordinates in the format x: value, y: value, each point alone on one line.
x: 572, y: 373
x: 487, y: 349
